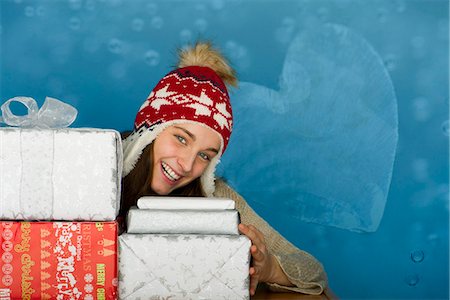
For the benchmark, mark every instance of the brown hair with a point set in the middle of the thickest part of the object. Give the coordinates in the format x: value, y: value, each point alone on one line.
x: 138, y: 182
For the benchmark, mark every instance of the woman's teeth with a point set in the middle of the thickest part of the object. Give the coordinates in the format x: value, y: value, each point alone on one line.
x: 169, y: 172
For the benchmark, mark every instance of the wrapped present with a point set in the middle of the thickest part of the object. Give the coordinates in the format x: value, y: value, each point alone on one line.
x: 191, y: 203
x: 53, y: 173
x: 183, y: 266
x: 58, y: 260
x: 61, y: 174
x: 183, y: 221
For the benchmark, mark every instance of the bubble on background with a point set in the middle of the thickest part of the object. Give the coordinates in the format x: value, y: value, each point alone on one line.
x: 90, y: 5
x: 201, y: 25
x: 390, y: 61
x: 400, y: 6
x: 417, y: 229
x: 418, y: 41
x: 412, y: 279
x: 75, y: 4
x: 157, y: 22
x: 238, y: 54
x: 117, y: 70
x: 420, y: 169
x: 435, y: 195
x: 421, y: 109
x: 417, y: 256
x: 152, y: 9
x: 40, y: 11
x: 236, y: 51
x: 217, y: 4
x: 29, y: 11
x: 74, y: 23
x: 185, y: 35
x: 200, y: 7
x: 114, y: 2
x: 323, y: 13
x: 285, y: 32
x: 152, y: 58
x: 433, y: 239
x: 442, y: 194
x: 382, y: 14
x: 115, y: 46
x: 137, y: 24
x: 62, y: 48
x: 445, y: 128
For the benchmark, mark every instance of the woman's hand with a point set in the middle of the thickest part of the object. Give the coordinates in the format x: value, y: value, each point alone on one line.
x: 265, y: 267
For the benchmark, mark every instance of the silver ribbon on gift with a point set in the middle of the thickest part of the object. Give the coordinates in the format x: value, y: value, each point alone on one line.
x: 53, y: 114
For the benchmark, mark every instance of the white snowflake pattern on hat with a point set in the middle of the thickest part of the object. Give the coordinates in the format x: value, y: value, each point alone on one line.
x: 223, y: 116
x: 161, y: 97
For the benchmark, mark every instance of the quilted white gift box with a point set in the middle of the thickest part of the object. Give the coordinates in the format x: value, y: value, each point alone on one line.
x: 60, y: 174
x: 187, y: 203
x: 183, y: 221
x: 183, y: 266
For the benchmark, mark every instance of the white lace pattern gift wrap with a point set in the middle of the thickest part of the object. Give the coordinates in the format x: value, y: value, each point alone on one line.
x: 201, y: 203
x: 183, y: 266
x: 60, y: 174
x: 183, y: 221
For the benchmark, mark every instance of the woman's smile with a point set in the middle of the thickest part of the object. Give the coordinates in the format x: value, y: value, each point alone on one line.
x: 170, y: 174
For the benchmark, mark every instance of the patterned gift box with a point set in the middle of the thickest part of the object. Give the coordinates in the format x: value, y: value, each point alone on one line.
x: 60, y: 174
x: 177, y: 266
x: 58, y: 260
x: 185, y: 221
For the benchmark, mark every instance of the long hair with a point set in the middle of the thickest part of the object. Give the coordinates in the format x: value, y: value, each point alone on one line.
x: 138, y: 182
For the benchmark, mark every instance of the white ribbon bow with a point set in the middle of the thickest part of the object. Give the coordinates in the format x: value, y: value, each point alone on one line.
x: 53, y: 114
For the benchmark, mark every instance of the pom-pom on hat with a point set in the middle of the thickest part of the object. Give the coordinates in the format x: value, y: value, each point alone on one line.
x: 195, y: 92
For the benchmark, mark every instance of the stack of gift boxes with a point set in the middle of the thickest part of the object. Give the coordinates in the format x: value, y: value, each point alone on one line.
x: 178, y: 248
x: 59, y: 198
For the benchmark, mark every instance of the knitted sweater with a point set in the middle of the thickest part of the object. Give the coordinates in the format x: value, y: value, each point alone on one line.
x: 302, y: 269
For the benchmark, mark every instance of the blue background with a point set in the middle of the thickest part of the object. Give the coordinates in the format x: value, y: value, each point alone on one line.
x: 105, y: 56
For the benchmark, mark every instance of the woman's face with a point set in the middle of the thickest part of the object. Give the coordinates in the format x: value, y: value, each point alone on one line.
x: 181, y: 154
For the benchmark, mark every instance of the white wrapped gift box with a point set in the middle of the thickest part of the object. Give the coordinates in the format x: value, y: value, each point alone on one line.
x: 186, y: 203
x: 177, y: 266
x: 60, y: 174
x: 184, y: 221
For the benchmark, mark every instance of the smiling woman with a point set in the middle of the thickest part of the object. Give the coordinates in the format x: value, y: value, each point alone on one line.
x: 179, y: 135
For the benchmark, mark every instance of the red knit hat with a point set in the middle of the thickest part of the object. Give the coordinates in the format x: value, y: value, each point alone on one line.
x: 190, y: 94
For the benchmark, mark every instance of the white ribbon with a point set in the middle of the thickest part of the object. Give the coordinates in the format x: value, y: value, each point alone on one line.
x: 53, y: 114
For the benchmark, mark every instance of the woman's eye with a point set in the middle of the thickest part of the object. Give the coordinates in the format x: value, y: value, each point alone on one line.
x: 181, y: 139
x: 204, y: 156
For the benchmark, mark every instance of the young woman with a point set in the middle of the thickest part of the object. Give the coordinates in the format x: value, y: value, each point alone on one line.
x: 179, y: 135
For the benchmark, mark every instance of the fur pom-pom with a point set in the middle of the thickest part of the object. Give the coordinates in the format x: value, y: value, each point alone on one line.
x: 203, y: 54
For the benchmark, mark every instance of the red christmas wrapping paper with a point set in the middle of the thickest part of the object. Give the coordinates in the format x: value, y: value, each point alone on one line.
x: 58, y: 260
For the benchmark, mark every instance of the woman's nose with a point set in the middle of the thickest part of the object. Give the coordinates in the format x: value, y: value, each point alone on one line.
x: 186, y: 161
